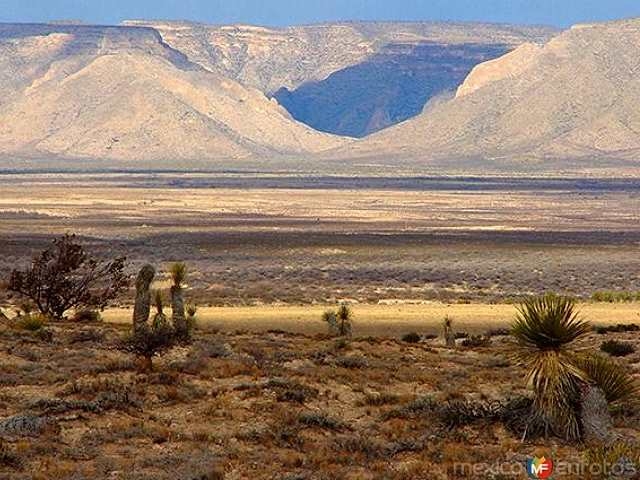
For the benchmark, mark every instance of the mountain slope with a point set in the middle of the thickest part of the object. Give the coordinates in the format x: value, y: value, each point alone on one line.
x: 123, y: 94
x: 575, y: 98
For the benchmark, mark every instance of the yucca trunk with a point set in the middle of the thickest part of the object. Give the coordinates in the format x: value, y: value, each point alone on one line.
x: 142, y: 306
x: 178, y: 317
x: 449, y: 334
x: 594, y: 415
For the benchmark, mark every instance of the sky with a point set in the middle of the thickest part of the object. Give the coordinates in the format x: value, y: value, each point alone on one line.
x: 291, y: 12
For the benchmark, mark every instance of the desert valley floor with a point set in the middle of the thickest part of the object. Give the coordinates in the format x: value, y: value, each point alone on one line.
x: 264, y: 392
x: 252, y: 239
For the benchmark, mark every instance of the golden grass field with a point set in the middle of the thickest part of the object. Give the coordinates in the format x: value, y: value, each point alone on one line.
x: 382, y: 320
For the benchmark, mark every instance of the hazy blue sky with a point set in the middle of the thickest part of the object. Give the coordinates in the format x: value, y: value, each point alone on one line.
x: 287, y: 12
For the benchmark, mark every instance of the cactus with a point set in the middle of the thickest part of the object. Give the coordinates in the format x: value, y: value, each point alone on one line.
x: 142, y: 307
x: 449, y: 334
x: 178, y: 317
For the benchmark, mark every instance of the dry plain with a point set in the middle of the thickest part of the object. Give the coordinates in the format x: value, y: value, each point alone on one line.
x: 263, y: 392
x: 294, y: 239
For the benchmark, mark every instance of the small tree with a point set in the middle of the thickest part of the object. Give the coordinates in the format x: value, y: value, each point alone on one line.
x: 65, y: 276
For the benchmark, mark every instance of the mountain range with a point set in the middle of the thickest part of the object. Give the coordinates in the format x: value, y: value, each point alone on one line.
x: 420, y: 96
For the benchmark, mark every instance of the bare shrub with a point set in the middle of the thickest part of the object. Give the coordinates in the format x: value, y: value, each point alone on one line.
x: 64, y: 276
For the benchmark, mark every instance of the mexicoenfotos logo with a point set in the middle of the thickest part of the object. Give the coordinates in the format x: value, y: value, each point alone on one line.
x: 540, y: 467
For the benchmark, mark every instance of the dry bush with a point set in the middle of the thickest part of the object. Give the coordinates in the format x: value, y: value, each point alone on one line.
x: 352, y: 362
x: 9, y: 458
x: 379, y: 399
x: 617, y: 349
x: 87, y: 315
x: 322, y: 420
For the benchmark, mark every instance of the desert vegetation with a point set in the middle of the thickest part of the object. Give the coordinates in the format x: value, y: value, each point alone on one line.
x: 160, y: 398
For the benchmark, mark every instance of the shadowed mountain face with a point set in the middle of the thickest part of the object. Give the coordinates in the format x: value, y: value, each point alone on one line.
x: 385, y: 89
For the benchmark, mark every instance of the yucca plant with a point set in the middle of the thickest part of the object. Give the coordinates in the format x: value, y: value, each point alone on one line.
x: 331, y: 319
x: 192, y: 310
x: 345, y: 316
x: 178, y: 273
x: 572, y: 388
x: 547, y: 329
x: 448, y: 333
x: 614, y: 380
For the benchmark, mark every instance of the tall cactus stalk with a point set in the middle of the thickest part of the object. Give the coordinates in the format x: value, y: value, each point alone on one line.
x: 178, y: 317
x: 142, y: 307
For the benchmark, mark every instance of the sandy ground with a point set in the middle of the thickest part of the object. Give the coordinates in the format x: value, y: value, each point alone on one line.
x: 383, y: 320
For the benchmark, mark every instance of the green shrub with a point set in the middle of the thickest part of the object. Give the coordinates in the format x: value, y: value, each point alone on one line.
x: 617, y: 349
x: 321, y: 420
x: 353, y: 362
x: 476, y: 341
x: 619, y: 328
x: 87, y: 315
x: 412, y: 337
x: 32, y: 322
x: 615, y: 296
